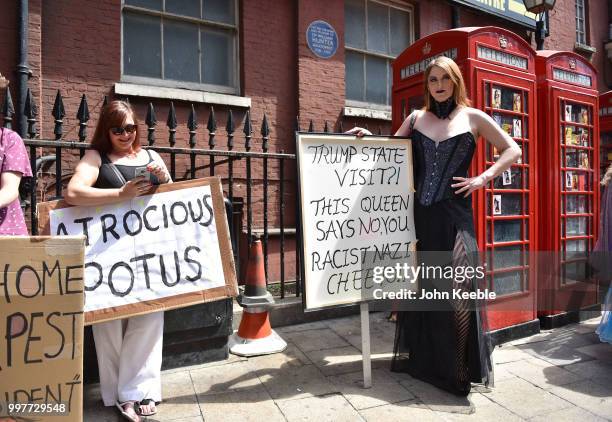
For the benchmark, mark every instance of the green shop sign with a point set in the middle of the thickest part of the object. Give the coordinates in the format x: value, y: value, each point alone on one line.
x: 512, y: 10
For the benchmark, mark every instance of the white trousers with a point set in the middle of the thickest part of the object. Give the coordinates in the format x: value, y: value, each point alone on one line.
x: 129, y: 358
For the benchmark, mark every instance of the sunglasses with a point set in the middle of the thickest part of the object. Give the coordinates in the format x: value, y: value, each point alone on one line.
x: 129, y: 129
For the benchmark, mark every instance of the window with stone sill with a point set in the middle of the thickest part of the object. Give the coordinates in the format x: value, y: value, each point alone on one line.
x: 187, y: 44
x: 375, y: 33
x: 581, y: 23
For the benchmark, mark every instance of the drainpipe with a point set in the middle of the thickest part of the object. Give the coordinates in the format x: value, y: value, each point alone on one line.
x: 23, y: 71
x: 455, y: 21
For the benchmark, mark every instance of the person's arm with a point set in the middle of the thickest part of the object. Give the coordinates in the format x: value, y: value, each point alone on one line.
x: 158, y: 168
x: 9, y: 180
x: 80, y: 189
x: 483, y: 125
x: 405, y: 129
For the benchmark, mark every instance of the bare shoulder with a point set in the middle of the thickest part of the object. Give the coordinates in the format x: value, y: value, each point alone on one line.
x: 155, y: 155
x: 475, y: 113
x: 92, y: 157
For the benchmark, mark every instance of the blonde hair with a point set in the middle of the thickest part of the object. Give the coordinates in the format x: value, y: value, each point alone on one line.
x: 450, y: 67
x: 607, y: 176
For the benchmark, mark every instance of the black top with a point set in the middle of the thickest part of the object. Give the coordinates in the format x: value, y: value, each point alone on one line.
x: 436, y: 163
x: 108, y: 177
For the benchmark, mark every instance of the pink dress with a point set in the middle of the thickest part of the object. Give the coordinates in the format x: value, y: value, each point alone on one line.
x: 13, y: 157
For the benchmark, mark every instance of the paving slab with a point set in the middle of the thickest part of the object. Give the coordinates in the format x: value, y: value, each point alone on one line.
x: 526, y: 400
x: 249, y: 405
x: 317, y: 325
x: 412, y: 410
x: 563, y: 374
x: 437, y: 399
x: 575, y: 414
x: 561, y: 351
x: 343, y: 360
x: 290, y: 357
x: 594, y: 370
x: 179, y: 397
x: 591, y: 396
x: 318, y: 409
x: 542, y: 373
x: 236, y: 376
x: 509, y: 353
x: 599, y: 351
x: 296, y: 383
x: 93, y: 407
x: 385, y: 389
x: 492, y: 412
x: 320, y: 339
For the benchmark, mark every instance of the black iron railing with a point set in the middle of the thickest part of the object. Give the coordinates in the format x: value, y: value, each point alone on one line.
x: 58, y: 151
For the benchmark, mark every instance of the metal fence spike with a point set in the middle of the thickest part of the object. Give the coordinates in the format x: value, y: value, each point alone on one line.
x: 192, y: 121
x: 58, y: 107
x: 265, y: 133
x: 229, y: 127
x: 247, y: 130
x: 211, y: 125
x: 58, y: 113
x: 212, y: 128
x: 192, y: 124
x: 172, y: 124
x: 151, y: 122
x: 31, y: 111
x: 8, y: 110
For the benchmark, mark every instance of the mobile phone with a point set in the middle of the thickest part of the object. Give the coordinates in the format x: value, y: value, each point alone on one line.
x: 142, y: 171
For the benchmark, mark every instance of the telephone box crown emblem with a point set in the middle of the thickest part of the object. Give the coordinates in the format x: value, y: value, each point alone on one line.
x: 572, y: 64
x: 503, y: 41
x: 426, y: 48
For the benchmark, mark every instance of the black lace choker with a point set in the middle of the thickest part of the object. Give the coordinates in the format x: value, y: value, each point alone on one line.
x: 443, y: 109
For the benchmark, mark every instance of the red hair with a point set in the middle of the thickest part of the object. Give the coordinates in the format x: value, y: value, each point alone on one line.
x: 113, y: 115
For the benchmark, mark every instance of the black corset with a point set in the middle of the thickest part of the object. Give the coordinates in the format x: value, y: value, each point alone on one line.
x: 434, y: 168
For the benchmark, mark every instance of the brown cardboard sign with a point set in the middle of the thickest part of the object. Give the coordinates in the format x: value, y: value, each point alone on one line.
x: 166, y: 249
x: 41, y: 327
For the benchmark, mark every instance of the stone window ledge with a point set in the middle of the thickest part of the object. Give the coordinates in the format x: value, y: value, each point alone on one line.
x: 583, y: 48
x: 193, y: 96
x: 368, y: 111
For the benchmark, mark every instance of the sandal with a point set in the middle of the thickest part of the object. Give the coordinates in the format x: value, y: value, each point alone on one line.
x: 128, y: 410
x: 147, y: 402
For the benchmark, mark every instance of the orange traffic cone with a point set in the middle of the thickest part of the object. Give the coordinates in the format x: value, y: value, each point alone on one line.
x: 255, y: 335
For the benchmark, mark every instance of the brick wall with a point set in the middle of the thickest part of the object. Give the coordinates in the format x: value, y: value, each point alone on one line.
x: 9, y: 54
x: 563, y: 34
x: 321, y: 89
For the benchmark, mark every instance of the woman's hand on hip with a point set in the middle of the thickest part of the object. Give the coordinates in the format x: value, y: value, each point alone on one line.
x: 135, y: 187
x: 469, y: 184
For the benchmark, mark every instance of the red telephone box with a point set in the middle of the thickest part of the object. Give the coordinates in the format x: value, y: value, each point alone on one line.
x: 605, y: 125
x: 568, y: 173
x: 499, y: 70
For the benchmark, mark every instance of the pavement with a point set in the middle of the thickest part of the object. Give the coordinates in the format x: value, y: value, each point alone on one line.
x: 563, y: 374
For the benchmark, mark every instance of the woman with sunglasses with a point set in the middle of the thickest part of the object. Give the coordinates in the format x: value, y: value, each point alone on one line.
x: 129, y: 351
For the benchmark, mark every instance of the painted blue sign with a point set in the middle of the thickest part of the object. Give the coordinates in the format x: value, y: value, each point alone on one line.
x: 322, y: 39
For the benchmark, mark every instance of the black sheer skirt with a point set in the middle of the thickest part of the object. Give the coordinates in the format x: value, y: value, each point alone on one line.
x: 445, y: 343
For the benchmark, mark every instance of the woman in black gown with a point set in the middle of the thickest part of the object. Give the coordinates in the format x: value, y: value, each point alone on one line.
x: 445, y: 342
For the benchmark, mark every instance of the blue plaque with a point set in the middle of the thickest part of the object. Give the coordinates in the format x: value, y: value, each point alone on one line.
x: 322, y: 39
